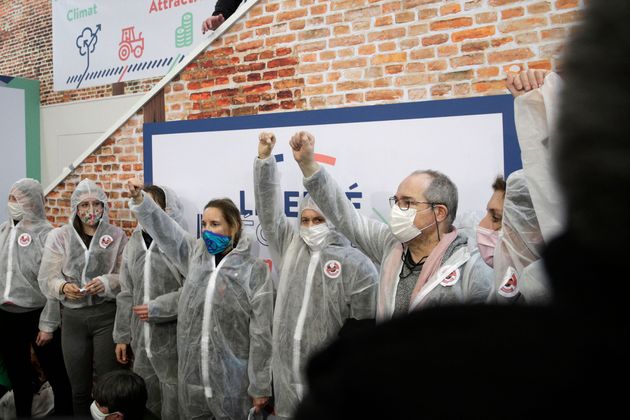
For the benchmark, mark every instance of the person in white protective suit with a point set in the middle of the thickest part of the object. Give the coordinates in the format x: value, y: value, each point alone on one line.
x: 423, y: 260
x: 146, y: 310
x: 27, y: 317
x: 537, y: 215
x: 487, y: 231
x: 518, y: 274
x: 80, y: 268
x: 225, y: 310
x: 323, y: 282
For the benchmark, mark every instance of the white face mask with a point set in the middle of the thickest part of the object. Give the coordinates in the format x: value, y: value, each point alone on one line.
x: 401, y: 223
x: 96, y: 413
x: 315, y: 235
x: 16, y: 211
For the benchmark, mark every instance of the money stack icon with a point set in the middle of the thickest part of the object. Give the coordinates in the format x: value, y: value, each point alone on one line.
x: 184, y: 33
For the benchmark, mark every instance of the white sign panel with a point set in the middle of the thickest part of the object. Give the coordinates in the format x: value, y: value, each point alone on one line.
x: 368, y: 159
x: 12, y: 143
x: 100, y: 42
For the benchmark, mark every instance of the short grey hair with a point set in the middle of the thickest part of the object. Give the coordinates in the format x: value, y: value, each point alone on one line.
x: 441, y: 191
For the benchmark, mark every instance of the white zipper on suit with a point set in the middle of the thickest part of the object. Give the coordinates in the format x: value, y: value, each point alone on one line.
x: 7, y: 288
x: 205, y: 328
x: 146, y: 330
x: 299, y: 327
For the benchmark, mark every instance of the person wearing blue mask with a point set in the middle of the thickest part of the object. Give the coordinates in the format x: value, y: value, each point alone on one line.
x: 225, y: 310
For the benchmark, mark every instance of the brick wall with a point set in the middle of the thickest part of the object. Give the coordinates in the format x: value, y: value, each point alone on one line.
x: 308, y: 54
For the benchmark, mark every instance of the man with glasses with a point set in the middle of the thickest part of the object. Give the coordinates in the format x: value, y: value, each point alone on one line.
x: 423, y: 260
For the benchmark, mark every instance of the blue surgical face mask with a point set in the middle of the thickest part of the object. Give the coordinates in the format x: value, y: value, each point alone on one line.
x: 215, y: 243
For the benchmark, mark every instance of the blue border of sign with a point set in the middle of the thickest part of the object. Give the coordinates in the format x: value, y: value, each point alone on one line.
x: 501, y: 104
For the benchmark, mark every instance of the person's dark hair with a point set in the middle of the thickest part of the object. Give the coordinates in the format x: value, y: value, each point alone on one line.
x: 499, y: 184
x: 157, y: 193
x: 593, y: 154
x: 231, y: 213
x: 123, y: 391
x: 442, y: 191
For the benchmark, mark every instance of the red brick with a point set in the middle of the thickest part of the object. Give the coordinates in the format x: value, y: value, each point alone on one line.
x: 251, y: 45
x: 383, y: 21
x: 311, y: 46
x: 405, y: 17
x: 346, y: 64
x: 497, y: 42
x: 319, y: 9
x: 487, y: 72
x: 483, y: 87
x: 386, y: 34
x: 434, y: 39
x: 440, y: 90
x: 318, y: 90
x: 540, y: 65
x: 456, y: 76
x: 354, y: 97
x: 389, y: 58
x: 517, y: 54
x: 422, y: 53
x: 291, y: 14
x: 467, y: 60
x: 296, y: 25
x: 451, y: 23
x: 264, y: 20
x: 282, y: 62
x: 541, y: 7
x: 475, y: 46
x: 449, y: 9
x: 503, y: 2
x: 394, y: 69
x: 523, y: 24
x: 566, y: 4
x: 438, y: 65
x: 482, y: 32
x: 569, y: 17
x: 554, y: 33
x: 346, y: 41
x: 512, y: 13
x: 353, y: 85
x: 282, y: 39
x: 412, y: 80
x: 383, y: 95
x: 486, y: 17
x: 447, y: 50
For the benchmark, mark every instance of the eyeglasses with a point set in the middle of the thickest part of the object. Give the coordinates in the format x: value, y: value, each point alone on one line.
x: 404, y: 204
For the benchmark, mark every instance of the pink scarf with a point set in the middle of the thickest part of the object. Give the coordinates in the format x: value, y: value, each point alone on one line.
x: 434, y: 262
x: 390, y: 269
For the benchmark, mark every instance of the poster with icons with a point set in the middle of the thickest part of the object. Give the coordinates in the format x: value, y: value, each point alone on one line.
x: 101, y: 42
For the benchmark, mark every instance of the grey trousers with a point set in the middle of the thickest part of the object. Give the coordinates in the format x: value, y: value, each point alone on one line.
x: 88, y: 349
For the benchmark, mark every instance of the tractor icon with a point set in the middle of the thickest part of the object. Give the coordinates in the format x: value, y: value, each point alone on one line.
x: 130, y: 43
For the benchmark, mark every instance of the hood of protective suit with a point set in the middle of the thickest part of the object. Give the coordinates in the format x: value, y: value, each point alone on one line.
x: 30, y: 196
x: 88, y: 190
x: 333, y: 237
x: 174, y: 207
x: 520, y: 240
x: 308, y: 203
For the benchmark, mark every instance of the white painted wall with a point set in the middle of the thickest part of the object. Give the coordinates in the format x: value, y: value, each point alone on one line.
x: 69, y: 129
x: 12, y: 143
